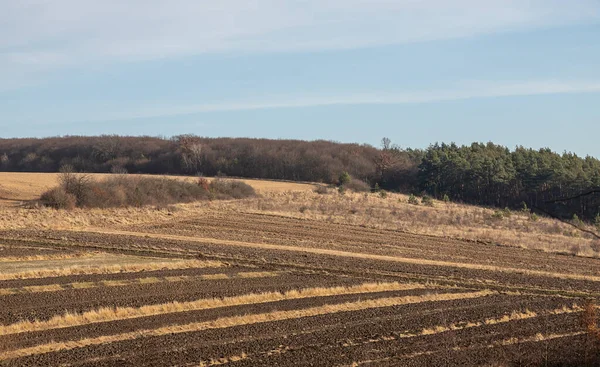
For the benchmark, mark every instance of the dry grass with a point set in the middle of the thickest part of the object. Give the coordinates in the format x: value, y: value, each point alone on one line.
x: 443, y: 220
x: 241, y: 320
x: 223, y: 360
x: 137, y: 265
x: 122, y: 313
x: 539, y: 337
x: 299, y: 200
x: 63, y: 256
x: 513, y: 316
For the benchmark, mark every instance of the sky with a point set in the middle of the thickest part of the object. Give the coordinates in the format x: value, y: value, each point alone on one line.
x: 515, y: 72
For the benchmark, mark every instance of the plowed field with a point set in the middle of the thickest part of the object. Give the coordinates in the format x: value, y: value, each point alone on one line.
x: 247, y: 289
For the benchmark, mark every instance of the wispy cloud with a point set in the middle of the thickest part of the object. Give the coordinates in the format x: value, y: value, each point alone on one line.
x: 462, y: 91
x: 38, y: 36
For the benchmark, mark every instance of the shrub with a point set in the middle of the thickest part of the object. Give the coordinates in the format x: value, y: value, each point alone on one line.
x: 383, y: 194
x: 204, y: 184
x: 427, y: 201
x: 321, y: 189
x: 498, y: 214
x: 230, y: 189
x: 358, y: 186
x: 344, y: 178
x: 376, y: 188
x: 534, y: 217
x: 125, y: 191
x: 412, y: 199
x: 576, y: 221
x: 446, y: 198
x: 342, y: 190
x: 507, y: 213
x: 58, y: 198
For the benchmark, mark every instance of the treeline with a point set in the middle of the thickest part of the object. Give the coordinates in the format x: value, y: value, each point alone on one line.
x: 484, y: 174
x: 316, y: 161
x: 489, y: 174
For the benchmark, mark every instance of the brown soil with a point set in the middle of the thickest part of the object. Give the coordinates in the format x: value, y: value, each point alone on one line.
x: 528, y: 318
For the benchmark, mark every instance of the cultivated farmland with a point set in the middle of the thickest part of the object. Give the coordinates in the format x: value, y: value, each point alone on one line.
x: 228, y: 284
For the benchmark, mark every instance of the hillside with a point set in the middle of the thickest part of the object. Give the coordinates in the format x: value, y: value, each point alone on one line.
x: 481, y: 174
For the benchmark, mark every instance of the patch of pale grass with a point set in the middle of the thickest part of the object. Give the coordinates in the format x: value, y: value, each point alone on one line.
x: 105, y: 314
x: 110, y: 269
x: 149, y: 280
x: 63, y: 256
x: 232, y: 321
x: 214, y: 276
x: 513, y: 316
x: 258, y: 274
x: 223, y: 360
x: 539, y: 337
x: 114, y: 283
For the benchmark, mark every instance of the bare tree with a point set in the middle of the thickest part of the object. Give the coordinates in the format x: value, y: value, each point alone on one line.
x: 191, y: 153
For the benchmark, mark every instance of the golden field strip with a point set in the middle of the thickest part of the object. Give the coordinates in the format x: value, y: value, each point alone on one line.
x: 243, y: 320
x: 129, y: 282
x: 48, y: 257
x: 109, y: 269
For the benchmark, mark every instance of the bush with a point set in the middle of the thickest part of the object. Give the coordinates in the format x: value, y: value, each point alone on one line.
x: 534, y: 217
x: 427, y: 201
x: 58, y: 198
x: 204, y: 184
x: 358, y: 186
x: 123, y: 191
x: 230, y: 189
x: 342, y: 190
x: 576, y: 221
x: 344, y: 178
x: 412, y: 199
x: 498, y: 214
x: 321, y: 189
x: 446, y: 198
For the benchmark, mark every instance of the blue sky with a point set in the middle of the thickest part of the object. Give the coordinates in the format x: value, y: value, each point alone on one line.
x: 508, y: 71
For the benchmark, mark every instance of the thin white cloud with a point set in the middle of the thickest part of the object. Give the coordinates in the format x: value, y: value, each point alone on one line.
x: 38, y: 36
x: 463, y: 91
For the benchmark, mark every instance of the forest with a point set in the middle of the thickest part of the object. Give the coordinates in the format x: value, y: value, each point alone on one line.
x: 482, y: 174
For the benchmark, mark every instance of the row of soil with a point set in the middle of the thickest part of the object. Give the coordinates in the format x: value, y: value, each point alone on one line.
x: 42, y: 306
x: 179, y: 318
x: 568, y: 351
x: 301, y: 232
x: 353, y: 265
x: 323, y: 340
x: 331, y: 349
x: 11, y: 251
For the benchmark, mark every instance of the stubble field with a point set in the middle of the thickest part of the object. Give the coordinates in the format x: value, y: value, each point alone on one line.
x: 228, y: 284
